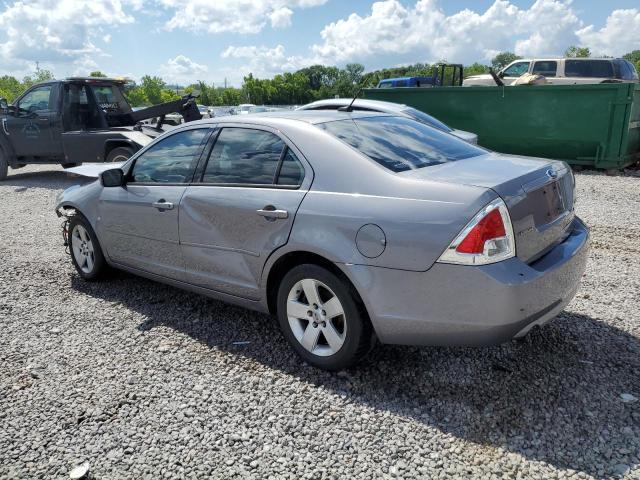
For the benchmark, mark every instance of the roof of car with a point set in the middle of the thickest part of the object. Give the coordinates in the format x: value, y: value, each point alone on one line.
x: 544, y: 59
x: 308, y: 116
x: 378, y: 105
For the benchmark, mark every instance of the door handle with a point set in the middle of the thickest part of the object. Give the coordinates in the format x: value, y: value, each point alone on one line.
x: 270, y: 212
x: 43, y: 119
x: 162, y: 205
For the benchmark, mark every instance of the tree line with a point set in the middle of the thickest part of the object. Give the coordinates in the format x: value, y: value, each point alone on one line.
x: 300, y: 87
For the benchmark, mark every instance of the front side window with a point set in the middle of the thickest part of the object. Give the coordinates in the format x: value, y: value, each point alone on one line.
x: 171, y: 160
x: 399, y: 143
x: 37, y: 99
x: 588, y: 68
x: 244, y: 156
x: 547, y: 68
x: 517, y: 69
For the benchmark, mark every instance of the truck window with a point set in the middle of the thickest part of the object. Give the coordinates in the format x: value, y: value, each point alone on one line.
x: 37, y: 99
x: 516, y: 69
x: 106, y: 97
x: 588, y: 68
x: 547, y: 68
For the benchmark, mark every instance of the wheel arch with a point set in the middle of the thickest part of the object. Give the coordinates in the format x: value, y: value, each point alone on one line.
x: 112, y: 143
x: 284, y: 263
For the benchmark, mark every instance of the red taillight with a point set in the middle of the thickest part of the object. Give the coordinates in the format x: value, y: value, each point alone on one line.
x: 487, y: 238
x: 490, y: 227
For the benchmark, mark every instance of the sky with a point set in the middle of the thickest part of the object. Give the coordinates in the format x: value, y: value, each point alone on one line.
x: 217, y: 40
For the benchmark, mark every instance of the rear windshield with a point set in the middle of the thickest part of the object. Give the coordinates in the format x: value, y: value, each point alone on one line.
x: 422, y: 117
x: 400, y: 144
x: 588, y: 68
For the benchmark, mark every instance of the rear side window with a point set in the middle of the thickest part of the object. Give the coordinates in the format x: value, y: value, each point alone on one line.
x: 244, y: 156
x: 588, y: 68
x: 171, y: 160
x: 547, y: 68
x: 291, y: 171
x: 399, y: 143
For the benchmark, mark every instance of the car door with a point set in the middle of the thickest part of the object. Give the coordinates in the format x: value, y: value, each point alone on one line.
x: 138, y: 223
x: 30, y: 128
x: 252, y: 184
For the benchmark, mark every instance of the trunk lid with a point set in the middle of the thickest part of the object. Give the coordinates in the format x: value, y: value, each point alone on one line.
x: 538, y: 193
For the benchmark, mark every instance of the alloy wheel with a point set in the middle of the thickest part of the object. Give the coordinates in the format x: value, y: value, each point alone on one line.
x: 316, y: 317
x: 82, y: 248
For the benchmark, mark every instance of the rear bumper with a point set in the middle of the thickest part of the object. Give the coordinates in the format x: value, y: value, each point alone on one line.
x: 472, y: 305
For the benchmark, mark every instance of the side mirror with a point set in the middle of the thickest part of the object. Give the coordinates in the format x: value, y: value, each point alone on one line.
x: 501, y: 74
x: 4, y: 104
x: 112, y: 178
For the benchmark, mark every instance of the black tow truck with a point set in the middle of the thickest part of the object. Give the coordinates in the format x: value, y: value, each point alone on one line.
x: 80, y: 119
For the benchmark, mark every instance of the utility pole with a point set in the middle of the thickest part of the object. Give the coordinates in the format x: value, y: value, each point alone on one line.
x: 225, y: 83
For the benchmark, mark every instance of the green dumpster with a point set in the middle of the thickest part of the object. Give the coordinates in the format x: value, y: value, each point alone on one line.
x: 596, y: 125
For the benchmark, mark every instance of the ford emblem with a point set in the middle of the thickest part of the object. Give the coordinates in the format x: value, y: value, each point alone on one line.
x: 552, y: 173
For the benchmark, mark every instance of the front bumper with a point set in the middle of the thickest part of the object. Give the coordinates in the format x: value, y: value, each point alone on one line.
x: 472, y: 305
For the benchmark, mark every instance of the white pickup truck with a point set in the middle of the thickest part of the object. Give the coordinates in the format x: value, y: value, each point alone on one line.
x: 562, y: 71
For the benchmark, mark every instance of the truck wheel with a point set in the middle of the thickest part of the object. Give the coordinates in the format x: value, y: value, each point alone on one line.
x: 119, y: 154
x: 4, y: 166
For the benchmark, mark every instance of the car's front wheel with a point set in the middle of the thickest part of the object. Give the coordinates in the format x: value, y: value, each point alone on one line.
x: 321, y: 318
x: 86, y: 253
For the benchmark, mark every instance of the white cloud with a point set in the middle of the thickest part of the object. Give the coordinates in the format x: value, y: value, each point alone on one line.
x: 281, y: 17
x: 618, y: 36
x: 425, y: 31
x: 181, y: 69
x: 53, y: 32
x: 238, y: 16
x: 264, y: 61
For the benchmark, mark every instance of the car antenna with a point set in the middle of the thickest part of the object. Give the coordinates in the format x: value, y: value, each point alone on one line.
x: 349, y: 108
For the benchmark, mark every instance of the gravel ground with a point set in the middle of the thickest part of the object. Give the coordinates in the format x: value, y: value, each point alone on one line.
x: 141, y: 380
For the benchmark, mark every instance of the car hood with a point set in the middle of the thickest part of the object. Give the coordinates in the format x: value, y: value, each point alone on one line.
x: 93, y: 170
x: 482, y: 76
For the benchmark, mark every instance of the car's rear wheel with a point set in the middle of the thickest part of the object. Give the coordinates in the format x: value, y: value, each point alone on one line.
x: 321, y: 318
x: 86, y: 253
x: 119, y: 154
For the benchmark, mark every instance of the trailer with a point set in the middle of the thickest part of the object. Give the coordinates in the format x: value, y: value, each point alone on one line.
x: 592, y: 125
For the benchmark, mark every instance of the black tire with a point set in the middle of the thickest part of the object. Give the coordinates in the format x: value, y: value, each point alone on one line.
x: 357, y: 330
x: 4, y: 166
x: 98, y: 267
x: 70, y: 165
x: 119, y: 154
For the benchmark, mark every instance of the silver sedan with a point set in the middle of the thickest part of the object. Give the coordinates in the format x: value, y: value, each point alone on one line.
x: 350, y: 227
